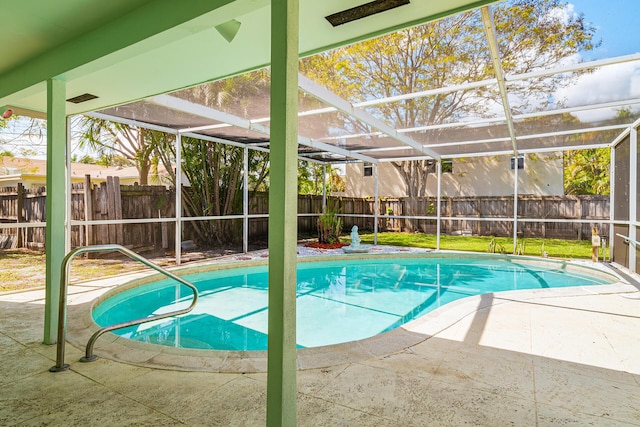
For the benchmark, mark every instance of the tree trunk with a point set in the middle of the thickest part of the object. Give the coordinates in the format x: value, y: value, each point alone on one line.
x: 415, y: 174
x: 143, y: 163
x: 143, y: 171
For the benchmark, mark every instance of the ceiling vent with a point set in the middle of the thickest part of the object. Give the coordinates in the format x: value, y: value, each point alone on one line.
x: 82, y: 98
x: 363, y: 11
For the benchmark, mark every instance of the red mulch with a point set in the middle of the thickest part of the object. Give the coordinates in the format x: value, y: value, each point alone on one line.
x: 336, y: 245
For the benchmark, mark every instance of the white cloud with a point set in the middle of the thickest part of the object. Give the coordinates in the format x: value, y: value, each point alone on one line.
x: 564, y: 14
x: 607, y: 84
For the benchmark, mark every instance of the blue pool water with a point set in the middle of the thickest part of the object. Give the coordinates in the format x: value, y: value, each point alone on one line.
x: 338, y: 301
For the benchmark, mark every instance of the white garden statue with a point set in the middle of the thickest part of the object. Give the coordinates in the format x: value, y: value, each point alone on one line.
x: 355, y: 246
x: 355, y: 239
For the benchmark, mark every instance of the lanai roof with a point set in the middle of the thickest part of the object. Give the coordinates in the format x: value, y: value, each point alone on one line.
x: 322, y: 138
x: 129, y: 80
x: 126, y: 50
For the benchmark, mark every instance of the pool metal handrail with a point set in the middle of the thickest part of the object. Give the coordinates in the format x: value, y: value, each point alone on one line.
x: 628, y: 239
x: 62, y: 309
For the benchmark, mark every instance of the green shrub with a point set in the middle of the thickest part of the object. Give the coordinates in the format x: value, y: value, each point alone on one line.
x: 329, y: 226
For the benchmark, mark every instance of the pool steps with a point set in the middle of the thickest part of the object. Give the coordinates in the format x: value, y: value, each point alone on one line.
x: 62, y: 309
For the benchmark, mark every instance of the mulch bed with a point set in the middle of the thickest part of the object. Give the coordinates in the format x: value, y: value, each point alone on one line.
x: 336, y: 245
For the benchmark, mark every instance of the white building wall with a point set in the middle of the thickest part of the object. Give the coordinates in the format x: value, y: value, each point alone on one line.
x: 390, y: 183
x: 543, y: 174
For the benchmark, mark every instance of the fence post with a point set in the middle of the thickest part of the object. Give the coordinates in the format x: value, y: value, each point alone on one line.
x: 20, y: 214
x: 88, y: 210
x: 110, y: 194
x: 479, y: 215
x: 449, y: 226
x: 117, y: 200
x: 543, y: 214
x: 114, y: 209
x: 579, y: 215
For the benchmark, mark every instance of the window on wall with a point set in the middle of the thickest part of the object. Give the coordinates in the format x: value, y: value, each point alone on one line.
x: 368, y: 169
x: 520, y: 162
x: 447, y: 166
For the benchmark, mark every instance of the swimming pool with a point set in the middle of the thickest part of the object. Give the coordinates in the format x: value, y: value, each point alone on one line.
x: 338, y: 300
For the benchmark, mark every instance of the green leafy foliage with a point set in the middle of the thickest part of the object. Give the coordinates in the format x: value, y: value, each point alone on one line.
x: 118, y: 144
x: 214, y: 182
x: 532, y: 34
x: 587, y: 171
x: 329, y: 225
x: 215, y: 186
x: 310, y: 178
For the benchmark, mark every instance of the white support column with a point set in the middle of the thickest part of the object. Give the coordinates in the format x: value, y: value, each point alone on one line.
x: 324, y: 188
x: 515, y: 203
x: 56, y: 204
x: 376, y: 205
x: 612, y: 200
x: 178, y: 231
x: 438, y: 205
x: 245, y: 202
x: 633, y: 197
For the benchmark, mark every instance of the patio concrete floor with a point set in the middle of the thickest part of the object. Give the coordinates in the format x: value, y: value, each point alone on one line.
x: 545, y: 358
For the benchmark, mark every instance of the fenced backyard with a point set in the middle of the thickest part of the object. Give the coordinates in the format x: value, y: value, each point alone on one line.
x: 153, y: 207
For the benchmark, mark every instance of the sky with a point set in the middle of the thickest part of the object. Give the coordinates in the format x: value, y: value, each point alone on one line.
x: 616, y: 22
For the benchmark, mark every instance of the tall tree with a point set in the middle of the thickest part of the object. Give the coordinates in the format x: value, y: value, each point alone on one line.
x: 214, y: 185
x: 116, y: 141
x: 245, y: 95
x: 588, y: 171
x: 23, y: 136
x: 214, y: 170
x: 311, y: 179
x: 532, y: 34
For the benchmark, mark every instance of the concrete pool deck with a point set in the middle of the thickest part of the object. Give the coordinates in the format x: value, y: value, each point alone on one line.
x: 558, y: 357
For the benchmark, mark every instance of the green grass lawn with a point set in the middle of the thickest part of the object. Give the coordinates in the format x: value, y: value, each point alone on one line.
x: 556, y: 248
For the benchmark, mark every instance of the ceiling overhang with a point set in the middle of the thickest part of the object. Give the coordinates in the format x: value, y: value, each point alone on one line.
x: 148, y: 47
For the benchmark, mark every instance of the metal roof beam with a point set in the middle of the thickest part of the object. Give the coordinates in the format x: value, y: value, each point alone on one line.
x: 346, y: 107
x: 526, y: 151
x: 534, y: 136
x: 178, y: 104
x: 239, y: 144
x: 483, y: 83
x: 506, y: 139
x: 591, y: 107
x: 489, y: 28
x: 625, y: 133
x: 508, y: 79
x: 575, y: 67
x: 424, y: 93
x: 498, y: 153
x: 189, y: 134
x: 131, y: 122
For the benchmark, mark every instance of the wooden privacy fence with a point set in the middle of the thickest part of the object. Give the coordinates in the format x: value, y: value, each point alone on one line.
x: 482, y: 215
x: 107, y: 201
x: 112, y: 201
x: 477, y: 215
x: 464, y: 215
x: 20, y: 205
